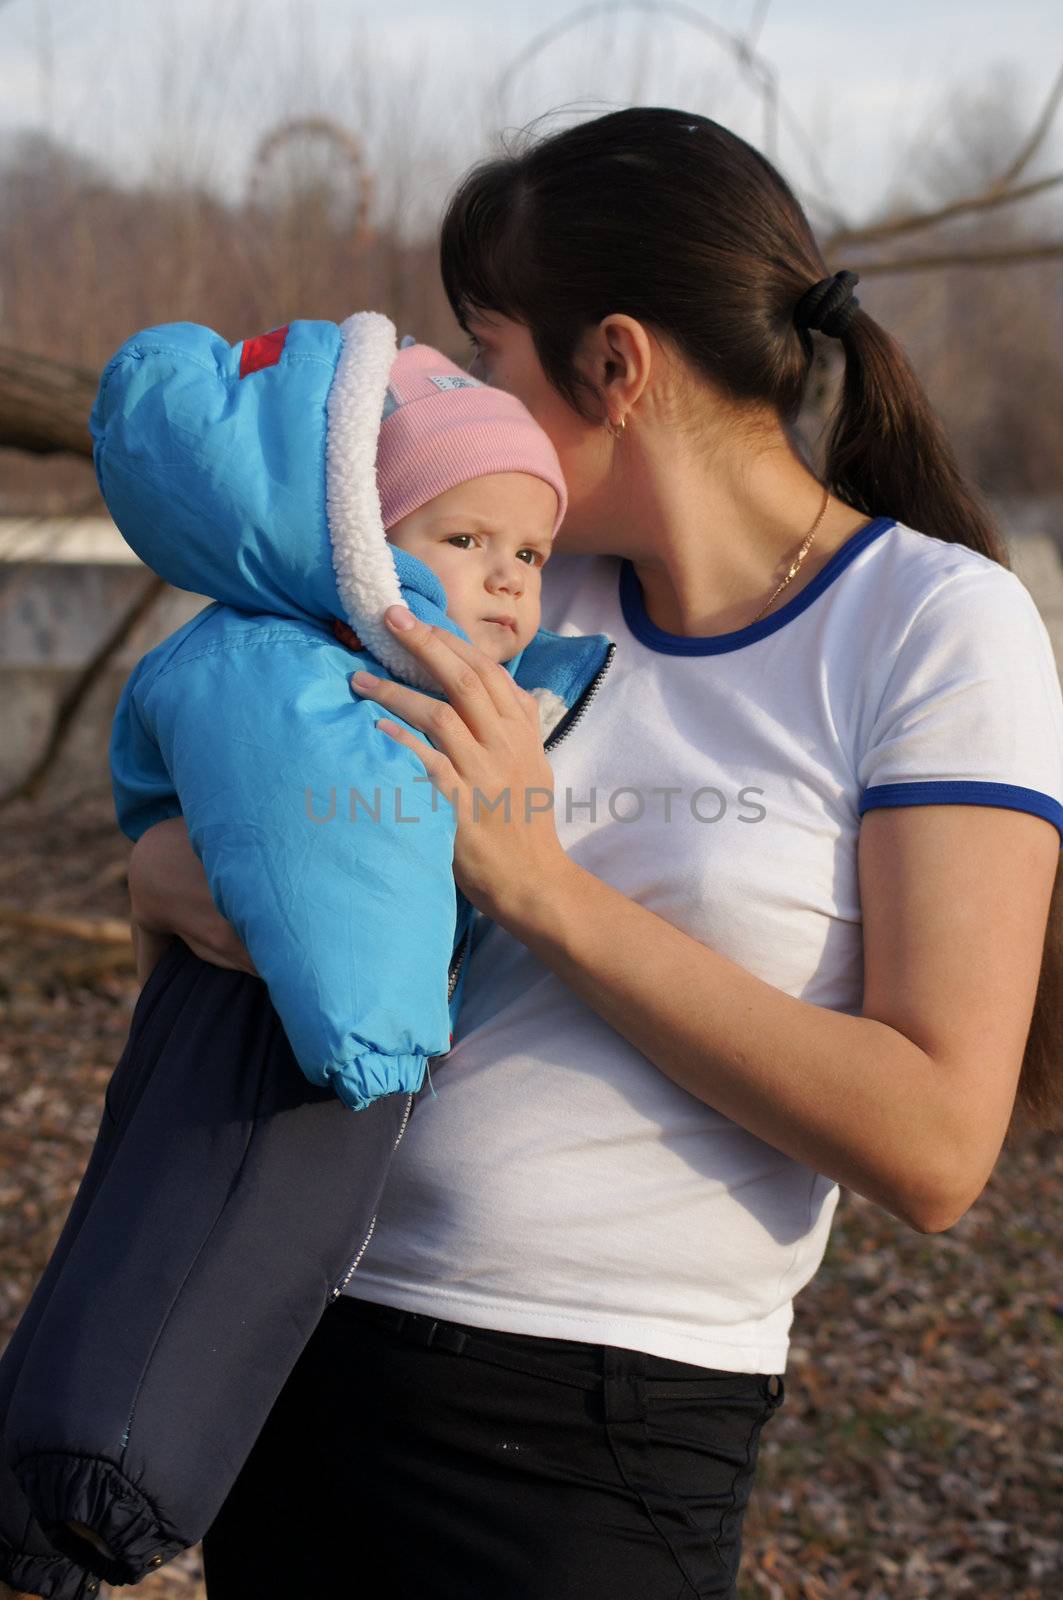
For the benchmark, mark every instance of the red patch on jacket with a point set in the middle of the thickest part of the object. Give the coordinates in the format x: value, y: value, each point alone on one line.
x: 262, y: 351
x: 346, y: 635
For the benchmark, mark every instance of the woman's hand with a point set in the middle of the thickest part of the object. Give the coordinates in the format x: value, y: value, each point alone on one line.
x: 169, y: 894
x: 487, y: 761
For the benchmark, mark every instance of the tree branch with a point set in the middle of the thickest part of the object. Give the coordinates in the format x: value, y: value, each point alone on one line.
x: 1048, y: 251
x: 758, y: 71
x: 755, y: 27
x: 1038, y: 135
x: 45, y: 405
x: 930, y: 219
x: 1002, y: 191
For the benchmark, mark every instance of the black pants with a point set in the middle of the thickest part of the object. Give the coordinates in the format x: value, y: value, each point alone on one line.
x: 408, y: 1459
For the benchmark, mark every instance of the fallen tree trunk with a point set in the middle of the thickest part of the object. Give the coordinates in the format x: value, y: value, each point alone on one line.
x: 45, y: 405
x: 95, y: 930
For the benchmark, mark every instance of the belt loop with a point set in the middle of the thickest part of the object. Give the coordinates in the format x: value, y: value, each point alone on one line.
x: 445, y: 1336
x: 623, y: 1385
x: 428, y: 1332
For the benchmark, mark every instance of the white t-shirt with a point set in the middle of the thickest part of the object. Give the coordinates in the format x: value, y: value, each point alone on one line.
x: 558, y: 1184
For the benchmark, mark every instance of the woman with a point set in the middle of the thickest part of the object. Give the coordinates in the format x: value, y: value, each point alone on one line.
x: 743, y: 959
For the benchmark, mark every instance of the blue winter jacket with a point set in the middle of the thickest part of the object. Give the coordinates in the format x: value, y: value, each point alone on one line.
x: 247, y: 472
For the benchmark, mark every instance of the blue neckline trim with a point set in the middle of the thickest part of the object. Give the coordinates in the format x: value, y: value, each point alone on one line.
x: 678, y: 644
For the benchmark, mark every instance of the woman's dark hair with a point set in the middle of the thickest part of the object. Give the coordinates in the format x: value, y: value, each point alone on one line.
x: 669, y: 218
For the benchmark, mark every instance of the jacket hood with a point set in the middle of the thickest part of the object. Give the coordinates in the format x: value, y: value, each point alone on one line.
x: 247, y: 472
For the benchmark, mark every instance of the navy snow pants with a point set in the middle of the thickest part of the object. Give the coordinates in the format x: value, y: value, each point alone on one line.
x: 225, y: 1200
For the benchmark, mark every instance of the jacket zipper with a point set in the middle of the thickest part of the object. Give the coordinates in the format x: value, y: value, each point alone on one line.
x: 338, y: 1288
x: 573, y: 716
x: 456, y: 965
x: 364, y: 1246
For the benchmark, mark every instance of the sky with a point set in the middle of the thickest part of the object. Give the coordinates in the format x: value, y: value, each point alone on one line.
x: 188, y: 89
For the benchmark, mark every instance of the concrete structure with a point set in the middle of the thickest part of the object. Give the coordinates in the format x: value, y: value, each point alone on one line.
x: 64, y: 583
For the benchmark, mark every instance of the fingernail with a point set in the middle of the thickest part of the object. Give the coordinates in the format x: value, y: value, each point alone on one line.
x: 362, y: 680
x: 399, y: 617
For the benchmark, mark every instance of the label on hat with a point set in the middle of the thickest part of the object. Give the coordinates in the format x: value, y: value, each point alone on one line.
x: 455, y: 381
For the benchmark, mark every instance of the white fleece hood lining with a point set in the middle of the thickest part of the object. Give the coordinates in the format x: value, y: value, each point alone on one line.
x: 361, y: 556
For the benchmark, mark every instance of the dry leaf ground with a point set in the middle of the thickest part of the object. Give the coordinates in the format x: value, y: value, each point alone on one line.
x: 919, y: 1454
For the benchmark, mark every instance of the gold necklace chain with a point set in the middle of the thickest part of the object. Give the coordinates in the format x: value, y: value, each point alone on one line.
x: 801, y: 554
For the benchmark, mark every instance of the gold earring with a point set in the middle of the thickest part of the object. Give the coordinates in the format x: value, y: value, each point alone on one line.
x: 617, y: 428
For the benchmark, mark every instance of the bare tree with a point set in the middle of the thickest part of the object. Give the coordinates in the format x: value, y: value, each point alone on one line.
x: 83, y: 261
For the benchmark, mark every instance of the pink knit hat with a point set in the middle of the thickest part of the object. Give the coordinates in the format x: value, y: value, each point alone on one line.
x: 442, y: 427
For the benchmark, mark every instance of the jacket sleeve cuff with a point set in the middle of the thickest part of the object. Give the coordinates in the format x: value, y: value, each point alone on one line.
x: 71, y: 1488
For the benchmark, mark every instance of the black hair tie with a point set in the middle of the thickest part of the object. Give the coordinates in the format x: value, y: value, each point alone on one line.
x: 829, y: 306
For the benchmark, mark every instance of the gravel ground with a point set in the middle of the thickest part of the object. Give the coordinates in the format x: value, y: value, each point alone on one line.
x: 919, y: 1453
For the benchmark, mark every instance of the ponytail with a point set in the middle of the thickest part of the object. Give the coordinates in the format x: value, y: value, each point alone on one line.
x: 887, y: 448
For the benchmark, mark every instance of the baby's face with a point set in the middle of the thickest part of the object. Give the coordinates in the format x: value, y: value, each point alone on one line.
x: 487, y: 542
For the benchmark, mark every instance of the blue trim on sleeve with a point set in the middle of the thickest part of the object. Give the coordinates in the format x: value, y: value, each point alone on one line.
x: 964, y: 793
x: 678, y: 644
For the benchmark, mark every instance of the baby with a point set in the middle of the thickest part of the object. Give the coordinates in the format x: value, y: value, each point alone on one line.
x: 306, y: 479
x: 306, y: 496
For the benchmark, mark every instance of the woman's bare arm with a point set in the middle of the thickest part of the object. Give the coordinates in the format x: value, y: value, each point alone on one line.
x: 908, y: 1103
x: 169, y: 895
